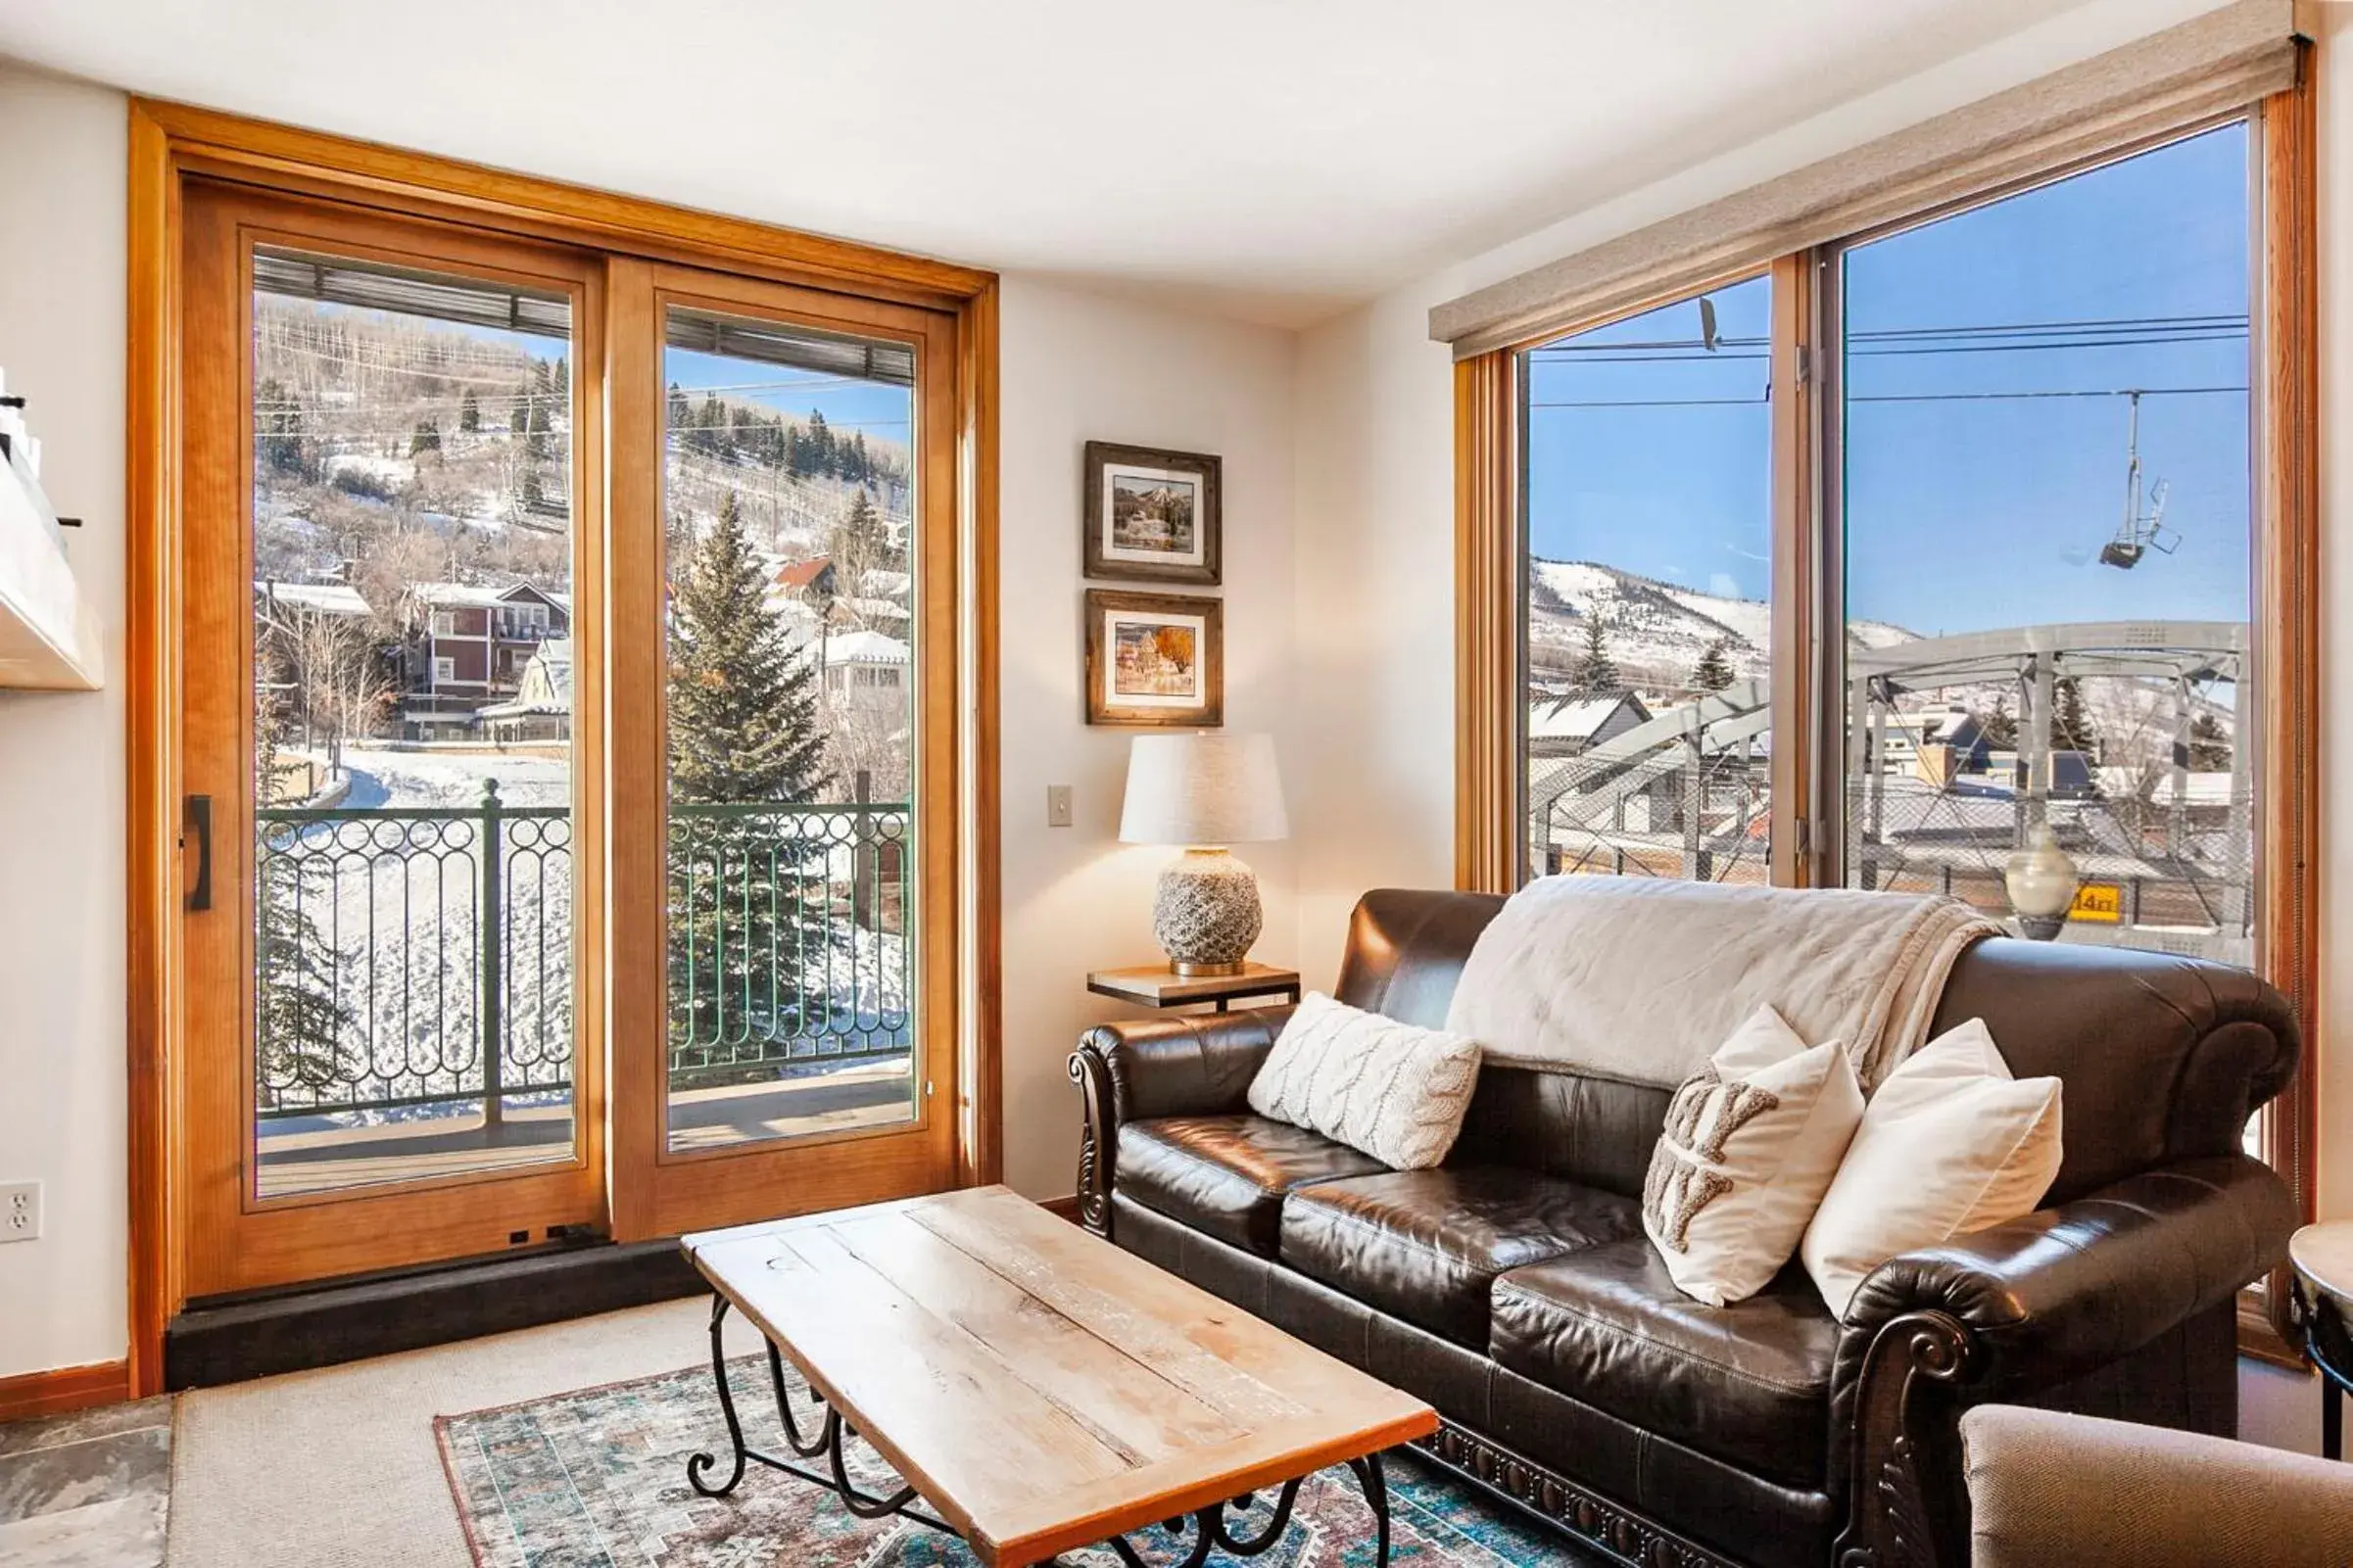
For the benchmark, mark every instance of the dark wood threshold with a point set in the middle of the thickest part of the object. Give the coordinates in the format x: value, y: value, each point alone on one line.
x: 227, y: 1340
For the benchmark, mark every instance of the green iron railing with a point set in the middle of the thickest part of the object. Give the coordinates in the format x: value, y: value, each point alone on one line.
x: 418, y: 956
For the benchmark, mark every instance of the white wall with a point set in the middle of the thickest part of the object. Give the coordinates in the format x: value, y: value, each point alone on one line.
x: 1074, y: 366
x: 62, y: 860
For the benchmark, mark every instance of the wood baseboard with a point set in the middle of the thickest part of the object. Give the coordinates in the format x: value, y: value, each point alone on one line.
x: 1067, y: 1207
x: 62, y: 1389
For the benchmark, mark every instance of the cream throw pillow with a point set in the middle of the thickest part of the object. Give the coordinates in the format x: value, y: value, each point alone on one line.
x: 1750, y: 1143
x: 1394, y: 1091
x: 1949, y: 1144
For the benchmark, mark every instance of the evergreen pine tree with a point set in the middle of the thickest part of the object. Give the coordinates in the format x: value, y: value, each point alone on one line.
x: 2001, y: 727
x: 747, y: 902
x: 1713, y: 671
x: 1597, y: 672
x: 681, y: 413
x: 860, y: 543
x: 2209, y: 746
x: 822, y: 457
x: 426, y: 438
x: 297, y: 1020
x: 2071, y: 727
x: 279, y: 427
x: 469, y: 413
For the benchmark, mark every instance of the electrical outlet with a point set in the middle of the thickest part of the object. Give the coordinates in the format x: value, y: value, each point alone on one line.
x: 1058, y: 805
x: 19, y: 1211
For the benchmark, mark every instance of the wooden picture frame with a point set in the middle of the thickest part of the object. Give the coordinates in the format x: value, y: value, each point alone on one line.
x: 1195, y: 695
x: 1152, y: 515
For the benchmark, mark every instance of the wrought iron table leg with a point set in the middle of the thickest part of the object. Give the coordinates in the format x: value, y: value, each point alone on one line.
x: 700, y: 1463
x: 1375, y: 1482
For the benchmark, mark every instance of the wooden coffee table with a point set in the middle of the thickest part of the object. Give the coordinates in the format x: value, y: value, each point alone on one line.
x: 1037, y: 1388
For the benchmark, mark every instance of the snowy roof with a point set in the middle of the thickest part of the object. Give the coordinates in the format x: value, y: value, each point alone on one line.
x: 864, y: 648
x: 877, y: 609
x: 1576, y: 719
x: 472, y: 596
x: 803, y: 574
x: 321, y: 598
x: 2202, y: 789
x: 884, y: 585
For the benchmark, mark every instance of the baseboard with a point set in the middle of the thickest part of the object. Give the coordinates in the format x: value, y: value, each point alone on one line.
x: 1067, y: 1207
x: 62, y: 1389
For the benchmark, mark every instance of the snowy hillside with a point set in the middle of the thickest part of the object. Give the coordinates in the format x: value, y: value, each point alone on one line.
x: 1656, y: 631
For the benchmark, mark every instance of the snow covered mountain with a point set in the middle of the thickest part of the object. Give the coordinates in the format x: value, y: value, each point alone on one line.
x: 1655, y: 630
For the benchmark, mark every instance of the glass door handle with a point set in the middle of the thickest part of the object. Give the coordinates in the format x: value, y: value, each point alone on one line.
x: 198, y: 816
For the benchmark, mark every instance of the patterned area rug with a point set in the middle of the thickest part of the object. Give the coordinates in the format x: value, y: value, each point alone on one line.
x: 597, y: 1479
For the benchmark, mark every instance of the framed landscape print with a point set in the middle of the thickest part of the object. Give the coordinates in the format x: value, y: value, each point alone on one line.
x: 1155, y: 660
x: 1152, y: 516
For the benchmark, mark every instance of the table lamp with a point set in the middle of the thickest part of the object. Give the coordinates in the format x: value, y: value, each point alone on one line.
x: 1204, y: 791
x: 2041, y: 879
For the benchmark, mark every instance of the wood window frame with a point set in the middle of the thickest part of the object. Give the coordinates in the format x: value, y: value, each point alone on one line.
x: 172, y: 144
x: 1491, y: 545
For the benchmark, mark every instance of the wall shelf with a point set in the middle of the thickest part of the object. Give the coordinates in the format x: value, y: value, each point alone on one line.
x: 49, y: 634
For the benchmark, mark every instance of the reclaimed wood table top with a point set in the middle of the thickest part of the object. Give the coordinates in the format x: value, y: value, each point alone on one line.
x: 1041, y: 1388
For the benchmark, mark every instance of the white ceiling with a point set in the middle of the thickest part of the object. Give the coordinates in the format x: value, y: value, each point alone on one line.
x: 1273, y: 158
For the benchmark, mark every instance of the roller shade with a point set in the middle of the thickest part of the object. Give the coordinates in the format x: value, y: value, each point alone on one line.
x: 2214, y: 65
x: 803, y: 348
x: 437, y: 295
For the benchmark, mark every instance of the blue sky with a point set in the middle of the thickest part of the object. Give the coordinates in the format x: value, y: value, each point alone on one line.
x: 880, y: 409
x: 1964, y: 511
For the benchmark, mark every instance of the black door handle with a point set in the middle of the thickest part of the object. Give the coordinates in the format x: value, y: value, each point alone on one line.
x: 200, y: 822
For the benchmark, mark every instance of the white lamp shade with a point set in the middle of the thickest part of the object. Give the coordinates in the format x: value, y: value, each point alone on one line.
x: 1203, y: 789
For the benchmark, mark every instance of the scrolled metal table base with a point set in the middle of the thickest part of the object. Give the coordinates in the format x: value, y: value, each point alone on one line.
x: 1210, y: 1529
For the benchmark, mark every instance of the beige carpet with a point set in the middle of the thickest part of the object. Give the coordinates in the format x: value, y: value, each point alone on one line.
x: 338, y: 1469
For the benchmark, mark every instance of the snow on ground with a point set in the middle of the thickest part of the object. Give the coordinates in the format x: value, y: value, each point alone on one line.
x: 400, y: 900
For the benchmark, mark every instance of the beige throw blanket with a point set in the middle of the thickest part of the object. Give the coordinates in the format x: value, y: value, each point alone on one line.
x: 1642, y: 980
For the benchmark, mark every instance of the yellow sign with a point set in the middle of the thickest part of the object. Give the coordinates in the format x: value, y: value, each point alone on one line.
x: 2102, y: 902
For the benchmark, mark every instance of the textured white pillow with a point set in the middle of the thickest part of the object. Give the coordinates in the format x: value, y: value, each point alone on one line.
x: 1750, y: 1143
x: 1394, y: 1091
x: 1950, y: 1143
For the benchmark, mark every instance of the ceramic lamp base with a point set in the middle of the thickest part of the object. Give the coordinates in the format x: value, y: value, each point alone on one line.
x: 1206, y: 913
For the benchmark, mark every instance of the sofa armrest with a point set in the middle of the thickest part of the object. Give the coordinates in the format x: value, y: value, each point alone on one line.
x: 1194, y: 1066
x: 2051, y: 1490
x: 2016, y: 1309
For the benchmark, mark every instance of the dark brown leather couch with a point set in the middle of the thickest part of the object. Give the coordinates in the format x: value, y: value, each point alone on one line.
x: 1513, y: 1288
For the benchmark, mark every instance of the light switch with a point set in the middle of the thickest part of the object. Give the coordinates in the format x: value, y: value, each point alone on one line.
x: 1058, y: 805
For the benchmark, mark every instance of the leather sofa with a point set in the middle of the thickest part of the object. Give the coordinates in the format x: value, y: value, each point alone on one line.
x: 1513, y: 1288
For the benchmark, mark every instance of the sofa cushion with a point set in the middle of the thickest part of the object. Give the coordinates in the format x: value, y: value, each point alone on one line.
x: 1226, y: 1175
x: 1747, y: 1384
x: 1426, y: 1245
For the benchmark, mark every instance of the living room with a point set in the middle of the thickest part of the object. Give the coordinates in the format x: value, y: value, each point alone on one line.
x: 1474, y: 439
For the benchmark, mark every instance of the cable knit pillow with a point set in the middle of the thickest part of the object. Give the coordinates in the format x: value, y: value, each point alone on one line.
x: 1392, y: 1090
x: 1750, y: 1143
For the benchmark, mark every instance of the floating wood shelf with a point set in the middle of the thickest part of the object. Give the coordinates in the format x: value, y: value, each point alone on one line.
x: 49, y: 637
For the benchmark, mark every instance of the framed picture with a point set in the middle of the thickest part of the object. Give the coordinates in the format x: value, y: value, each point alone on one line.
x: 1152, y: 516
x: 1155, y: 660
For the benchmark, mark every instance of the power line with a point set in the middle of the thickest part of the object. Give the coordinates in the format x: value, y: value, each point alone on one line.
x: 1761, y: 401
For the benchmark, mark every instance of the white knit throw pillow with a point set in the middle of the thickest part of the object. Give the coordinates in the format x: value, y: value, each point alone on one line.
x: 1392, y: 1090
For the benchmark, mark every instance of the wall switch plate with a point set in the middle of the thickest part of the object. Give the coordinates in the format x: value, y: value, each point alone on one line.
x: 1058, y: 805
x: 19, y: 1211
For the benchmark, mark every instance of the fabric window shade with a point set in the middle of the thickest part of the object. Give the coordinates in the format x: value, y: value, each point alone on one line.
x: 2203, y: 69
x: 370, y: 286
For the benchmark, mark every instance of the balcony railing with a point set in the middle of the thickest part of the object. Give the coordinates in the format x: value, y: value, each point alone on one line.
x: 420, y: 956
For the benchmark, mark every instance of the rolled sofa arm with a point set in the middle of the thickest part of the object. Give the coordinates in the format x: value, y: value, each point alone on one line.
x: 2050, y: 1489
x: 1181, y: 1067
x: 2015, y: 1309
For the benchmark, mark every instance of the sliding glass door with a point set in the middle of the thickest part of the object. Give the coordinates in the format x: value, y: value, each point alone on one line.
x: 393, y: 1053
x: 567, y: 673
x: 789, y: 595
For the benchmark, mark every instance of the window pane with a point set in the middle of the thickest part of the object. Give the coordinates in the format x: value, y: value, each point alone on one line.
x: 789, y: 499
x: 411, y: 723
x: 1646, y: 600
x: 2048, y: 547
